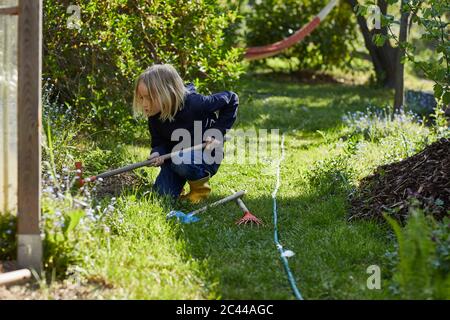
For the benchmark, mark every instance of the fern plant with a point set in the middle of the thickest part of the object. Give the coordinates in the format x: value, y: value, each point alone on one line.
x: 421, y: 271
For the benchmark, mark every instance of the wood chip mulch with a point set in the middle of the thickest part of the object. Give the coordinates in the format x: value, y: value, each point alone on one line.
x: 424, y: 176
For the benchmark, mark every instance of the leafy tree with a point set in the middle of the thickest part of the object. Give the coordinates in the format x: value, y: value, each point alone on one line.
x: 93, y: 68
x: 388, y: 61
x: 383, y: 55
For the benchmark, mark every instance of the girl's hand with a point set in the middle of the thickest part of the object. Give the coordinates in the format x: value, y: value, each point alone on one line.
x: 156, y: 160
x: 211, y: 143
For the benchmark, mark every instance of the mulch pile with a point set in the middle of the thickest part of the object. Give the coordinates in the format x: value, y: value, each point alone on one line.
x: 424, y: 176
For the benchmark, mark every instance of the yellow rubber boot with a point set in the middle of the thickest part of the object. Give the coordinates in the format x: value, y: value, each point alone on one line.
x: 199, y: 190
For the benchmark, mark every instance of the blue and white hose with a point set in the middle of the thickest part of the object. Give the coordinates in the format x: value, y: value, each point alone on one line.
x: 284, y: 254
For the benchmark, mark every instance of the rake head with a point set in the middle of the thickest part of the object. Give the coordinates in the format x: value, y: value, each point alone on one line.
x: 182, y: 217
x: 249, y: 218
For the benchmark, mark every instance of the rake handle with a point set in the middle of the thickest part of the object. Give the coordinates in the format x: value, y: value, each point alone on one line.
x: 142, y: 163
x: 242, y: 205
x: 234, y: 196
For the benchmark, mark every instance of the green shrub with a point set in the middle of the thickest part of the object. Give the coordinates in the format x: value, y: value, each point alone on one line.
x: 71, y: 221
x: 60, y: 224
x: 401, y: 134
x: 93, y: 68
x: 327, y: 46
x: 8, y: 246
x: 62, y: 146
x: 422, y: 270
x: 331, y: 176
x: 375, y: 123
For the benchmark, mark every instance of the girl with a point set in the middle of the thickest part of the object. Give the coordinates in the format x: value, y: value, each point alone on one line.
x: 173, y: 108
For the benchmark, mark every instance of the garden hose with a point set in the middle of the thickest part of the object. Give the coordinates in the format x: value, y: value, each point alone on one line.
x: 284, y: 254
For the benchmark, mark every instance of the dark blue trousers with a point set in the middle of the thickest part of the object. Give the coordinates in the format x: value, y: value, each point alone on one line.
x: 173, y: 176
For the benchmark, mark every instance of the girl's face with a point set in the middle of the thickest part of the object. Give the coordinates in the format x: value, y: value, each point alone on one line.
x: 144, y: 100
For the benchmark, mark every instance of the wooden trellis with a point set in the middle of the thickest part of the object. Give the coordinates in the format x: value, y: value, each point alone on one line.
x: 28, y: 114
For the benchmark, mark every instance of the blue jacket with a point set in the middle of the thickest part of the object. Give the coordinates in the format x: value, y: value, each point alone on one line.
x: 217, y: 111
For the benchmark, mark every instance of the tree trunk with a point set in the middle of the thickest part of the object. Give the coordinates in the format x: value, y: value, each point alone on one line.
x: 383, y: 58
x: 399, y: 83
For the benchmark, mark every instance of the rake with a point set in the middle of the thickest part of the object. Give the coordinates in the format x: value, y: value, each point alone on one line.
x: 248, y: 217
x: 79, y: 166
x: 191, y: 216
x: 181, y: 216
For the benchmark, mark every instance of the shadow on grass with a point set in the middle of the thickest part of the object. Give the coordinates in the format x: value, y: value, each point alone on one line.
x: 266, y: 104
x: 244, y: 263
x: 331, y: 255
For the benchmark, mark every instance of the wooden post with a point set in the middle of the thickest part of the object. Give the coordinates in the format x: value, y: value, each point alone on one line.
x: 29, y: 241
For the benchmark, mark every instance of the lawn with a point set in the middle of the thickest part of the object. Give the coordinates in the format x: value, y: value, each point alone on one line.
x: 352, y: 218
x: 141, y: 255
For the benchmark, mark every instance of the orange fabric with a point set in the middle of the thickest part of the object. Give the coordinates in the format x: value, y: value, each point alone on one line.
x: 254, y: 53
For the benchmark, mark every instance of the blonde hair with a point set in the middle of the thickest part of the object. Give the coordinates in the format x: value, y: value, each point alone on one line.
x: 165, y: 88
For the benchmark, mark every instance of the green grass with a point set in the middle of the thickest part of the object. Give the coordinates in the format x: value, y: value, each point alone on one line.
x: 143, y: 256
x: 216, y: 259
x: 144, y: 259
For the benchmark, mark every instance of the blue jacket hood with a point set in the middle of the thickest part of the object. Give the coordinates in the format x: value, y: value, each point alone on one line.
x: 190, y: 87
